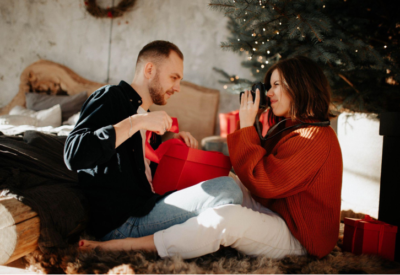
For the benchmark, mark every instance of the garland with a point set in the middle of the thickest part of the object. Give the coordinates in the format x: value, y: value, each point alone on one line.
x: 93, y: 8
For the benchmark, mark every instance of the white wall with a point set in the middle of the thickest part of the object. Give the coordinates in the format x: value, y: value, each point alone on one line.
x: 62, y: 31
x: 361, y: 147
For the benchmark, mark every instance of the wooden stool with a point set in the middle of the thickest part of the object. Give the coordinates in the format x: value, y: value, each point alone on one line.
x: 19, y: 230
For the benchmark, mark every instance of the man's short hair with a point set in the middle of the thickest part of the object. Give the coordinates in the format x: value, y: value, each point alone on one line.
x: 156, y: 51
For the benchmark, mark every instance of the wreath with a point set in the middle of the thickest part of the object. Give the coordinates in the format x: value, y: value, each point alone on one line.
x: 93, y: 8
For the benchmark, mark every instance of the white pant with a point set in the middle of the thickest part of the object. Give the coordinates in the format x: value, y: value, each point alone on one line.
x: 251, y: 228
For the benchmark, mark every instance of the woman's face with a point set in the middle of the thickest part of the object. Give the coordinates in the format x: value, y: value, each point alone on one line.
x: 280, y: 100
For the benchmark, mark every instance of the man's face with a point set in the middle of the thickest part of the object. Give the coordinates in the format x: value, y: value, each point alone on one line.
x: 167, y: 80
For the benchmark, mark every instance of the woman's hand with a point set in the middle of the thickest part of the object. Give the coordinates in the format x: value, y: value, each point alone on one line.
x: 248, y: 110
x: 188, y: 139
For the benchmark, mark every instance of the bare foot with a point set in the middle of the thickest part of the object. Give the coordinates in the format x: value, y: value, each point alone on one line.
x: 86, y: 245
x: 143, y: 243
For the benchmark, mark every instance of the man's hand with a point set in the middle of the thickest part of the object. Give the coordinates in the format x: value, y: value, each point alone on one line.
x: 188, y: 139
x: 158, y: 121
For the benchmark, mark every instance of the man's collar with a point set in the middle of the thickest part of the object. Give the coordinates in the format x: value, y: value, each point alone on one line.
x: 133, y: 96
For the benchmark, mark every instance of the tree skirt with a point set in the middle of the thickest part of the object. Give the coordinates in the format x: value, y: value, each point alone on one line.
x: 226, y: 260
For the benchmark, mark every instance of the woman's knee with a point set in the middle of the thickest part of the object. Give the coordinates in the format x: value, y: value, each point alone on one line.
x: 224, y: 188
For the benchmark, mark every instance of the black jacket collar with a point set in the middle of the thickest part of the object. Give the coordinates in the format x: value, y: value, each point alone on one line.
x: 133, y: 96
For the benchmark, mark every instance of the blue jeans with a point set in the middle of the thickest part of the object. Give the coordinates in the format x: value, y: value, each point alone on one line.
x: 180, y: 206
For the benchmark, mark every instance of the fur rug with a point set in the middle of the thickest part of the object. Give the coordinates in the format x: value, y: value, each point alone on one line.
x: 226, y: 260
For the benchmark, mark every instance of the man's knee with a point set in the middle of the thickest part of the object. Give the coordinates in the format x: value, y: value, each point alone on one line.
x: 225, y: 188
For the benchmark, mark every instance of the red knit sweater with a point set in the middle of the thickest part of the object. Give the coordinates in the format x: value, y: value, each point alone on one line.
x: 298, y: 175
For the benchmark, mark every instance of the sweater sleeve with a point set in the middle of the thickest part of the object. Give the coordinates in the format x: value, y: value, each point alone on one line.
x: 287, y: 172
x: 92, y: 142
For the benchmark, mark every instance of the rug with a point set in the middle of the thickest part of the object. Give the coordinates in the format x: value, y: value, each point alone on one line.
x: 226, y: 260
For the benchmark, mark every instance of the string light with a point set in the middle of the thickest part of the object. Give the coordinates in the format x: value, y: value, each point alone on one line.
x: 225, y: 86
x: 258, y: 71
x: 268, y: 52
x: 356, y: 51
x: 266, y: 62
x: 262, y: 66
x: 232, y: 79
x: 263, y: 29
x: 323, y: 6
x: 245, y: 13
x: 254, y: 49
x: 238, y: 39
x: 263, y: 42
x: 249, y: 57
x: 298, y: 28
x: 267, y: 40
x: 244, y: 20
x: 241, y: 49
x: 254, y: 34
x: 277, y: 32
x: 385, y: 46
x: 280, y: 23
x: 237, y: 77
x: 256, y: 42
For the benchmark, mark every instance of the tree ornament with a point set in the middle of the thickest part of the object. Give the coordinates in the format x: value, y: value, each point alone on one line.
x: 94, y: 9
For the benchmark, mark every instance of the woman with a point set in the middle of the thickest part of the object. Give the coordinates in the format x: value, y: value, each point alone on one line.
x: 291, y: 182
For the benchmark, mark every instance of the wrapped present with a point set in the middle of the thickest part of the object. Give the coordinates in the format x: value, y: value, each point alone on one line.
x: 228, y: 122
x: 369, y: 236
x: 180, y: 166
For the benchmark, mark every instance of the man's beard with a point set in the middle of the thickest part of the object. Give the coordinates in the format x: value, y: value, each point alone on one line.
x: 156, y: 91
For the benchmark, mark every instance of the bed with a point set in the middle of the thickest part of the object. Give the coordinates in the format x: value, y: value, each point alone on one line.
x: 48, y: 102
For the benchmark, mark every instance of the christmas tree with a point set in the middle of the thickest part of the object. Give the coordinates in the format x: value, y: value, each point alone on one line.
x: 355, y: 42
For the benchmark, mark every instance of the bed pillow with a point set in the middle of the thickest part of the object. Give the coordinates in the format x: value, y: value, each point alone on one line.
x: 49, y: 117
x: 70, y: 105
x: 18, y: 120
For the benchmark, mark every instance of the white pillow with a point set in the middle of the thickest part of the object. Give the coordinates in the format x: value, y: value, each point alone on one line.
x: 18, y: 120
x: 48, y: 117
x: 72, y: 120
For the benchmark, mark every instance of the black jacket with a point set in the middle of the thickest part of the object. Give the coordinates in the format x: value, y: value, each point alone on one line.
x: 113, y: 180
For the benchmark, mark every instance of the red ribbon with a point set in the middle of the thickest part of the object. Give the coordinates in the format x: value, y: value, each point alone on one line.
x: 368, y: 219
x: 156, y: 155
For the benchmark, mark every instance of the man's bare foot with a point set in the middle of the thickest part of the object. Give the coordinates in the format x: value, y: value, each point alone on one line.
x: 143, y: 243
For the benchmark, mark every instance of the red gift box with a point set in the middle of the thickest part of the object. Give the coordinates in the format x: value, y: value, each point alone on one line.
x: 369, y: 236
x: 180, y: 166
x: 228, y: 122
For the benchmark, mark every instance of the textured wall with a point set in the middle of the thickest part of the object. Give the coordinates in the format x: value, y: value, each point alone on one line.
x: 62, y: 31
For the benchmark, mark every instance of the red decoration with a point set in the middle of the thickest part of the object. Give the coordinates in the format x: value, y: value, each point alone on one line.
x: 180, y: 166
x: 109, y: 14
x: 369, y: 236
x: 228, y: 122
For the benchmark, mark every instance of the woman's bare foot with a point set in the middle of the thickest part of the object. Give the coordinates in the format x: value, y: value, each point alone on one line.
x: 143, y: 243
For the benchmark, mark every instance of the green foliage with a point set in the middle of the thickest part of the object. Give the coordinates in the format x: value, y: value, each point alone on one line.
x: 355, y: 42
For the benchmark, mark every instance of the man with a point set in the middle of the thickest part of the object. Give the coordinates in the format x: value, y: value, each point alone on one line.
x: 107, y: 145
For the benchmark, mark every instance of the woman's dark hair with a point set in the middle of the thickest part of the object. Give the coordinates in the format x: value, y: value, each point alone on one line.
x: 306, y: 84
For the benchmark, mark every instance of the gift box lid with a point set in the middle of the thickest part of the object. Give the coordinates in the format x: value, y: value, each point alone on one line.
x: 199, y: 156
x: 370, y: 224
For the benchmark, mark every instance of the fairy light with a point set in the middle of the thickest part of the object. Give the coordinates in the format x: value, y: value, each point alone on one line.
x: 254, y: 49
x: 249, y: 57
x: 262, y: 66
x: 280, y: 23
x: 238, y: 39
x: 244, y: 20
x: 266, y: 62
x: 263, y: 29
x: 225, y: 86
x: 268, y: 52
x: 241, y: 49
x: 385, y: 46
x: 232, y: 79
x: 298, y: 28
x: 263, y: 42
x: 245, y: 13
x: 237, y: 77
x: 256, y: 42
x: 323, y: 6
x: 267, y: 40
x: 356, y: 51
x: 253, y: 34
x: 258, y: 71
